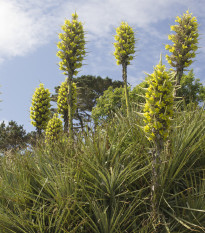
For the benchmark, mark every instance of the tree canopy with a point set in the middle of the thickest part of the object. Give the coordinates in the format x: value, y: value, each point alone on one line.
x: 89, y: 89
x: 12, y: 136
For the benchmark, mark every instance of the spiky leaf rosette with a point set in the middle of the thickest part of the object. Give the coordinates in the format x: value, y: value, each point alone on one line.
x: 71, y: 46
x: 54, y: 129
x: 184, y: 40
x: 158, y: 108
x: 125, y: 45
x: 62, y: 100
x: 40, y: 109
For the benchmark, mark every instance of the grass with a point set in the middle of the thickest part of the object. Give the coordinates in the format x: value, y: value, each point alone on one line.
x: 102, y: 183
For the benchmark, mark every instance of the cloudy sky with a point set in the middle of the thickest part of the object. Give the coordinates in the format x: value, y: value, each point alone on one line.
x: 29, y: 33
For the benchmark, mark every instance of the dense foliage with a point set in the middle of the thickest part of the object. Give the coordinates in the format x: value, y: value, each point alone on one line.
x: 89, y: 89
x: 102, y: 184
x: 109, y: 103
x: 12, y: 136
x: 191, y: 89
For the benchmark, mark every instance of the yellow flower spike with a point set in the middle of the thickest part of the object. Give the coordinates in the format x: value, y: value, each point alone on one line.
x: 54, y: 129
x: 155, y: 113
x: 125, y: 43
x: 40, y: 110
x: 73, y: 31
x: 183, y: 41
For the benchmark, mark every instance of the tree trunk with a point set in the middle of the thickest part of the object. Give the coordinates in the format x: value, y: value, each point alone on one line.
x: 124, y: 77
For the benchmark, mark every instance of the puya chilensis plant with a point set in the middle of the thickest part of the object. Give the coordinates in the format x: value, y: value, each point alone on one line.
x: 40, y: 109
x: 124, y: 51
x: 62, y: 102
x: 54, y: 129
x: 158, y: 111
x: 185, y: 44
x: 71, y: 52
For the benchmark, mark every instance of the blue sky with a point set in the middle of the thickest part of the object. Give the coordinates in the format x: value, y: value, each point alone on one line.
x: 29, y: 33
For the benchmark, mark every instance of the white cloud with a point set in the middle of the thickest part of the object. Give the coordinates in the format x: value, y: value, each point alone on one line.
x: 27, y: 24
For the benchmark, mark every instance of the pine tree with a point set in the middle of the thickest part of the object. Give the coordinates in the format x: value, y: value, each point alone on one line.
x: 124, y: 50
x: 40, y: 109
x: 185, y: 44
x: 62, y: 102
x: 72, y: 52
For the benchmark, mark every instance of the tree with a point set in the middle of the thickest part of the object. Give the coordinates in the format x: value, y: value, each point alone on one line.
x: 72, y: 52
x: 63, y: 100
x: 40, y: 109
x: 12, y: 136
x: 191, y: 89
x: 185, y: 44
x: 54, y: 129
x: 111, y: 101
x: 158, y: 111
x: 124, y: 49
x: 89, y: 89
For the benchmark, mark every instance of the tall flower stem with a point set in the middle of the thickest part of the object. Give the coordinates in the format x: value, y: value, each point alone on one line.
x: 124, y: 77
x: 157, y: 113
x: 71, y: 52
x: 70, y: 103
x: 124, y: 50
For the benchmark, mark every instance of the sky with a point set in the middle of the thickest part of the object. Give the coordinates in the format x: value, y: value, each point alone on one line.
x: 29, y: 34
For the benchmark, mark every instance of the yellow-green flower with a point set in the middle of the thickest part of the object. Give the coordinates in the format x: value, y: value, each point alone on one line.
x: 125, y: 44
x: 185, y: 41
x: 54, y: 129
x: 40, y: 109
x: 72, y: 46
x: 159, y: 104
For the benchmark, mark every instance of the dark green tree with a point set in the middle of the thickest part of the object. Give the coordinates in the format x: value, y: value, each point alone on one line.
x: 191, y: 89
x: 89, y: 89
x: 12, y: 136
x: 111, y: 101
x: 71, y: 52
